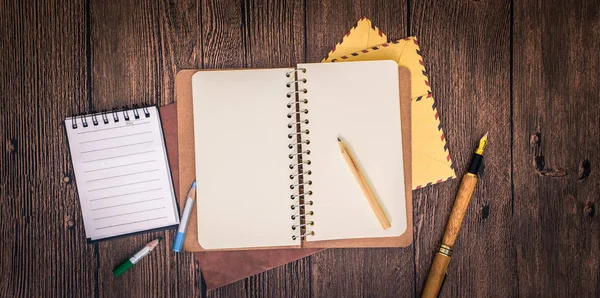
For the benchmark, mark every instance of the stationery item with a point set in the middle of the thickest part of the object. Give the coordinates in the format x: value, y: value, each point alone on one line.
x: 123, y: 267
x: 185, y: 218
x: 288, y: 189
x: 465, y: 191
x: 122, y: 173
x: 220, y: 268
x: 364, y: 185
x: 183, y: 89
x: 431, y: 157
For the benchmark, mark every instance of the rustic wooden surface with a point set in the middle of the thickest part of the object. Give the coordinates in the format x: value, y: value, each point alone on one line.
x: 526, y: 70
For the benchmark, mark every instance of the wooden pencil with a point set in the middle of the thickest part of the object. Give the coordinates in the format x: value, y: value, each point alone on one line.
x: 364, y: 185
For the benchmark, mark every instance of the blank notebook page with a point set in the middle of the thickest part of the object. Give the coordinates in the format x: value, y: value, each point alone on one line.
x: 122, y: 174
x: 358, y: 102
x: 242, y: 173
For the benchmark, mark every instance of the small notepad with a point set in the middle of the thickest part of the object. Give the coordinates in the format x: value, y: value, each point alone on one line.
x: 122, y: 172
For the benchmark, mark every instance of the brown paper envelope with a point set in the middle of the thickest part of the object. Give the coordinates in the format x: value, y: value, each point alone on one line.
x: 183, y: 94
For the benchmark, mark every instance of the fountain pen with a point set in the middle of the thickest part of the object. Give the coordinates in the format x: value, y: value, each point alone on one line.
x: 437, y: 272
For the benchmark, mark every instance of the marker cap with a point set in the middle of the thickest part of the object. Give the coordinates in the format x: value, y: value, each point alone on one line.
x: 178, y: 244
x: 122, y: 268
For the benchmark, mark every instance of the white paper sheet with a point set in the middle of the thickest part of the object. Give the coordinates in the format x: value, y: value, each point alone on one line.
x: 122, y: 173
x: 357, y: 101
x: 242, y: 164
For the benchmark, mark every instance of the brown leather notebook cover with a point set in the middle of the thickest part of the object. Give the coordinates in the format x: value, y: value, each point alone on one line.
x: 183, y: 95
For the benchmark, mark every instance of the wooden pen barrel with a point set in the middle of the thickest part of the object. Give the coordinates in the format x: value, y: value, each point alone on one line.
x: 438, y: 269
x: 437, y: 272
x: 465, y: 191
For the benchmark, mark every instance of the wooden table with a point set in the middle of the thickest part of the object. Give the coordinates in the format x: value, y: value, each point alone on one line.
x: 528, y: 71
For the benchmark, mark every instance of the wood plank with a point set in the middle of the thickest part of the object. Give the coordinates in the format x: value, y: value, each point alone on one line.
x: 290, y: 280
x: 274, y: 33
x: 357, y: 272
x: 328, y: 21
x: 556, y: 130
x: 466, y: 49
x: 257, y: 34
x: 42, y: 80
x: 223, y: 34
x: 181, y: 48
x: 137, y: 48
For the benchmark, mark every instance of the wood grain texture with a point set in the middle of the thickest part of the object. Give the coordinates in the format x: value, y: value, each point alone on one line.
x: 136, y: 49
x: 557, y: 129
x: 357, y: 272
x: 532, y: 227
x: 42, y: 80
x: 466, y: 49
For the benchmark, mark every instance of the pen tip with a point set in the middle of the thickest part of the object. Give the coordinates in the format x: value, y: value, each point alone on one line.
x: 482, y: 144
x: 160, y: 239
x: 194, y: 185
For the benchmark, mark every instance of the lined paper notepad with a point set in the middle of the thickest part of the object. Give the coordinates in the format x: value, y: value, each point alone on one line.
x: 122, y: 172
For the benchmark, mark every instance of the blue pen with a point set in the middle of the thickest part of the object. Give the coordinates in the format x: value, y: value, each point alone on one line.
x: 185, y: 218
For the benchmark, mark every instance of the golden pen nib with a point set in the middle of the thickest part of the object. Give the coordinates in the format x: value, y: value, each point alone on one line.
x: 482, y: 144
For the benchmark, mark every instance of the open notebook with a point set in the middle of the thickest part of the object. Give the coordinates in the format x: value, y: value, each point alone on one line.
x: 258, y: 185
x: 122, y: 173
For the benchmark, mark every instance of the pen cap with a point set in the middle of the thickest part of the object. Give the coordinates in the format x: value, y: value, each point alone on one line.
x: 122, y: 268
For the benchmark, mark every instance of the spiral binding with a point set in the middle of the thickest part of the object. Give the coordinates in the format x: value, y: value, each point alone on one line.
x: 116, y: 114
x: 299, y: 155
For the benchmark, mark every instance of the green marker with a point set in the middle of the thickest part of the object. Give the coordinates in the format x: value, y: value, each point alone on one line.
x: 137, y: 257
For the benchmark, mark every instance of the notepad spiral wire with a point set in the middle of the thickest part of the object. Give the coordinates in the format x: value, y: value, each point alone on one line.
x: 298, y: 144
x: 106, y: 116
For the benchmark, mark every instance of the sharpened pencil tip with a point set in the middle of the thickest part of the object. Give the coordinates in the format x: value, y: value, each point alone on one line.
x: 339, y: 139
x: 192, y: 192
x: 160, y: 239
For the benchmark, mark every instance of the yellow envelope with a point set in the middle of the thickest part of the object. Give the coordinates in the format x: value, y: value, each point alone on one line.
x: 431, y: 160
x: 361, y: 36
